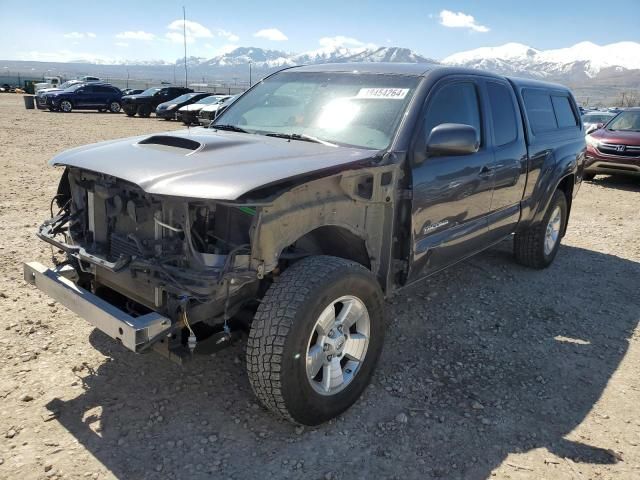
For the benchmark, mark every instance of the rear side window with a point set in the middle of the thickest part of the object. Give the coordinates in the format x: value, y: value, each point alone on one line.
x: 539, y: 111
x: 564, y: 112
x: 503, y: 114
x: 454, y: 103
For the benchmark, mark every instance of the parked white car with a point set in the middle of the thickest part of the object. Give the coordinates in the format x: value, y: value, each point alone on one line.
x: 209, y: 112
x: 189, y: 113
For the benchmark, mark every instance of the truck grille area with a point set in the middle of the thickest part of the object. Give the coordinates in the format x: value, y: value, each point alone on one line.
x: 121, y: 245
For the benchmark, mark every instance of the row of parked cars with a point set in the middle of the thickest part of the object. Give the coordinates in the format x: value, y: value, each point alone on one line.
x: 170, y: 103
x: 613, y: 142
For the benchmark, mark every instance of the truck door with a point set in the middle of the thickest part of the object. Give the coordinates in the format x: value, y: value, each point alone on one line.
x: 451, y: 194
x: 510, y: 158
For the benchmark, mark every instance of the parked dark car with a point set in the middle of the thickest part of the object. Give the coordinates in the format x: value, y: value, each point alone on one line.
x: 168, y: 110
x: 132, y: 91
x: 615, y: 148
x: 311, y: 198
x: 147, y: 101
x: 85, y: 96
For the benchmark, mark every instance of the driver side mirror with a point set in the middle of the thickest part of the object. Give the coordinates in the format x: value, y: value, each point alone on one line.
x: 453, y: 139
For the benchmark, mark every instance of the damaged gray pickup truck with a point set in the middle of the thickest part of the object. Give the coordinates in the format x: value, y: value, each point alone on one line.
x: 317, y: 193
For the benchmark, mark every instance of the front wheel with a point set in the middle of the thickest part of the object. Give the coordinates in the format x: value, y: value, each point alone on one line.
x: 315, y: 339
x: 114, y: 107
x: 144, y: 111
x: 537, y: 245
x: 65, y: 106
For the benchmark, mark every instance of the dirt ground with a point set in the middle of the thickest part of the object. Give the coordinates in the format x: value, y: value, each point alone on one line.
x: 490, y: 370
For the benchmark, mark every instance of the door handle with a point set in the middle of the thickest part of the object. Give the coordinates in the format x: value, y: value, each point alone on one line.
x: 486, y: 170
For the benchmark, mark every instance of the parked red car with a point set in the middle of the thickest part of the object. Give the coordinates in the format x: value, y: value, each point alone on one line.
x: 615, y: 148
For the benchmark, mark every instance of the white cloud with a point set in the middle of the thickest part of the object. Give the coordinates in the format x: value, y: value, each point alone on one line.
x: 272, y: 34
x: 122, y: 44
x: 231, y: 37
x: 192, y: 29
x: 138, y: 35
x: 342, y: 41
x: 460, y: 20
x: 78, y: 35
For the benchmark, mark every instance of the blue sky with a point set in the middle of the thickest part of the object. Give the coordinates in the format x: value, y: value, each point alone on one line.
x: 69, y: 29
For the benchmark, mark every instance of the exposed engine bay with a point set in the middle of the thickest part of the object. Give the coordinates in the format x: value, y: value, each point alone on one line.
x: 165, y: 254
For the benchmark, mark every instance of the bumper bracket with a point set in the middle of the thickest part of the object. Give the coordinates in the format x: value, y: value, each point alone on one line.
x: 133, y: 332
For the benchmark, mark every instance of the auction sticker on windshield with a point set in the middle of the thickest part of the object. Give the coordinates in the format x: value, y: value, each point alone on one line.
x: 393, y: 93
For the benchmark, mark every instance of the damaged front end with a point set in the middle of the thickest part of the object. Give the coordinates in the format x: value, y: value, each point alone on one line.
x: 187, y: 261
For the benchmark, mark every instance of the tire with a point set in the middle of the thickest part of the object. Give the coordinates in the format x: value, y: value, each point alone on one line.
x: 530, y: 245
x: 144, y: 111
x: 588, y: 177
x: 65, y: 106
x: 284, y: 331
x: 114, y: 107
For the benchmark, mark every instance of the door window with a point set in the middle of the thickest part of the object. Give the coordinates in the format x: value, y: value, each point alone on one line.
x: 564, y: 112
x: 454, y: 103
x: 540, y: 111
x: 503, y: 114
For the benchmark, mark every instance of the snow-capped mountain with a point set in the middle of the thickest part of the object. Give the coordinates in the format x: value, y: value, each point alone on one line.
x: 583, y: 60
x: 259, y: 57
x: 263, y: 58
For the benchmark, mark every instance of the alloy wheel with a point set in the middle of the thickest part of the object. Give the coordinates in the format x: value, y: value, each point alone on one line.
x: 338, y: 345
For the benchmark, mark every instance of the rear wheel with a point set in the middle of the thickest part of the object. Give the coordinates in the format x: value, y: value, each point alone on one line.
x: 65, y: 106
x: 144, y: 111
x: 315, y: 339
x: 587, y: 177
x: 538, y: 245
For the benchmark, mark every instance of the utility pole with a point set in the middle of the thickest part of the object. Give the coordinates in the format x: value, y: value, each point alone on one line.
x: 184, y: 34
x: 249, y: 74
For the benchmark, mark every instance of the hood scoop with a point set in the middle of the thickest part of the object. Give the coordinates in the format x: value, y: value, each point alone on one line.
x: 164, y: 142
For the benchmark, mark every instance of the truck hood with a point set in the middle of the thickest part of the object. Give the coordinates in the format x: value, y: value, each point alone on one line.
x: 202, y: 163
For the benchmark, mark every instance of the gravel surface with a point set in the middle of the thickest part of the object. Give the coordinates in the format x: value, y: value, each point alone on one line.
x: 490, y: 370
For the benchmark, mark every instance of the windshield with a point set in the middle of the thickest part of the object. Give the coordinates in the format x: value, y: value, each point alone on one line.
x: 68, y: 84
x: 183, y: 98
x: 151, y: 91
x: 361, y: 110
x: 626, y: 121
x: 208, y: 100
x: 597, y: 118
x: 75, y: 87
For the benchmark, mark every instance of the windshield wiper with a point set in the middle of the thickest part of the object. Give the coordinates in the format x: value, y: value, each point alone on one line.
x: 300, y: 136
x: 231, y: 128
